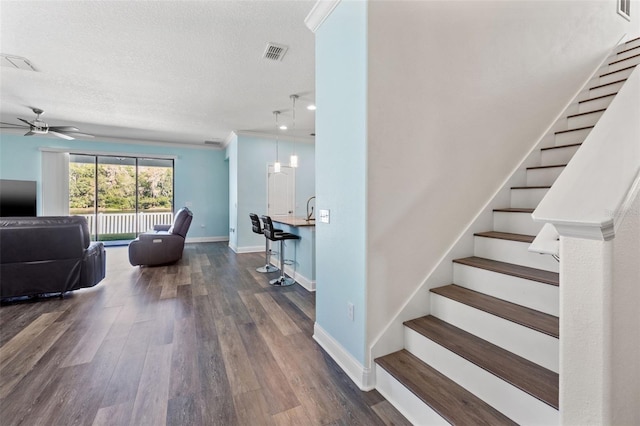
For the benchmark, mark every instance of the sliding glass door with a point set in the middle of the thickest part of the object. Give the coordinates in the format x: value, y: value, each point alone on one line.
x: 120, y: 196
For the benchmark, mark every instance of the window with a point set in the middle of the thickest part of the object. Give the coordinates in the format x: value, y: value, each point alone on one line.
x: 120, y: 196
x: 624, y: 9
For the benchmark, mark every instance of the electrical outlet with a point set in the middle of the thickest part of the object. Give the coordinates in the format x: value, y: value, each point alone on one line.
x: 350, y: 310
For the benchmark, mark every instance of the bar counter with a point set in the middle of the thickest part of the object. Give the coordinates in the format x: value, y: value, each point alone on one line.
x: 293, y: 220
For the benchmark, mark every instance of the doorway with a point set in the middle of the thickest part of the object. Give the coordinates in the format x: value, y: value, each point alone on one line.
x: 281, y: 189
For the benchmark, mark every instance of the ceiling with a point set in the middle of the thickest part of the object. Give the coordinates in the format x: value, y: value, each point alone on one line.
x: 160, y: 71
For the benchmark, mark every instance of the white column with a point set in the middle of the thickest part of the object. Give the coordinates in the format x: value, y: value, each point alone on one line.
x: 55, y: 184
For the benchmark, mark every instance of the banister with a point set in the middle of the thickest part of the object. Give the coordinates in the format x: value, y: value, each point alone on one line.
x: 590, y: 197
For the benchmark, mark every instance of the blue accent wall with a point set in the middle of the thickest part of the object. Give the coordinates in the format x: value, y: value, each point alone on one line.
x: 252, y: 156
x: 341, y: 172
x: 201, y: 174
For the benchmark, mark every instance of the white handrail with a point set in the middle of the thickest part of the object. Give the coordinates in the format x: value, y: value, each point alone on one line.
x: 589, y: 197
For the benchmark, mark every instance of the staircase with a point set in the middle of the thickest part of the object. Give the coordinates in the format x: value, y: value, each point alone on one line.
x: 489, y: 351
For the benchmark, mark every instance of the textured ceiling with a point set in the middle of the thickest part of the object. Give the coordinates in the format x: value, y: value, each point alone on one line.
x: 163, y: 71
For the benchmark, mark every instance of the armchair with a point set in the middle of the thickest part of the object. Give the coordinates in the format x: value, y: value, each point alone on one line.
x: 164, y: 244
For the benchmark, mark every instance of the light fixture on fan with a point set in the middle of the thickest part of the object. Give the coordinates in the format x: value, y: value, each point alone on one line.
x: 276, y: 165
x: 293, y: 160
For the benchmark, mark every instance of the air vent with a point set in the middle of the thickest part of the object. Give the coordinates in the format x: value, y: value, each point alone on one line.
x: 18, y: 62
x: 274, y: 52
x: 213, y: 143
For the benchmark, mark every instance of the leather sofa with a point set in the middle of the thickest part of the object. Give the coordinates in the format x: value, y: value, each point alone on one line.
x: 164, y: 244
x: 51, y: 254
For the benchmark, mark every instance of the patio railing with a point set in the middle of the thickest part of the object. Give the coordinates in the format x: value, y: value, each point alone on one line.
x: 125, y: 223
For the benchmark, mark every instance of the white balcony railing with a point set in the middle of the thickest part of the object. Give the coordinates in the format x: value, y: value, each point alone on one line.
x: 125, y: 223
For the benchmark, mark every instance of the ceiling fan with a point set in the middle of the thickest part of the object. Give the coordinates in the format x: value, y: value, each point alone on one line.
x: 39, y: 127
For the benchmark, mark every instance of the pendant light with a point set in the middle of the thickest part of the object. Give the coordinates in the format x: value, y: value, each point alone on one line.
x: 293, y: 160
x: 276, y: 165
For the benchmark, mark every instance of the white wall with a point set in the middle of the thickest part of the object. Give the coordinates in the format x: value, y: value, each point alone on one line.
x: 458, y: 92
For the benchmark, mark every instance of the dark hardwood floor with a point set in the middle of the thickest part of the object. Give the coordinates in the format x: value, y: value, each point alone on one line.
x: 206, y: 341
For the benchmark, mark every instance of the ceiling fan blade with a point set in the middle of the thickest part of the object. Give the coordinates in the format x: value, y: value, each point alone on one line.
x: 29, y: 133
x: 77, y: 134
x: 61, y: 135
x: 25, y: 121
x: 13, y: 125
x: 63, y: 128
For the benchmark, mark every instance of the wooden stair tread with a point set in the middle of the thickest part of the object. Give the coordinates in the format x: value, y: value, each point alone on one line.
x: 574, y: 130
x: 526, y: 272
x: 527, y: 376
x: 560, y: 146
x: 620, y: 70
x: 607, y: 84
x: 507, y: 236
x: 531, y: 187
x: 587, y: 113
x: 450, y: 400
x: 625, y: 59
x: 535, y: 320
x: 627, y: 50
x: 598, y: 97
x: 514, y: 210
x: 546, y: 167
x: 632, y: 40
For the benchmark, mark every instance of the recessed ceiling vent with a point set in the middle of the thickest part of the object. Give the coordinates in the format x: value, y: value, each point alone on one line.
x: 217, y: 142
x: 275, y: 52
x: 18, y: 62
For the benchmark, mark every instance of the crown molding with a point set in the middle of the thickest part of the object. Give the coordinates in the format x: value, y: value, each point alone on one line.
x: 270, y: 136
x: 320, y: 12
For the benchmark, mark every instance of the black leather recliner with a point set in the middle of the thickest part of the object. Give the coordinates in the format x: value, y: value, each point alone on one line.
x: 49, y: 254
x: 164, y: 244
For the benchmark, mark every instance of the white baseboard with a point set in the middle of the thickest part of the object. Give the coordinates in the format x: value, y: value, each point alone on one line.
x: 362, y: 376
x: 206, y: 239
x: 247, y: 249
x: 308, y: 284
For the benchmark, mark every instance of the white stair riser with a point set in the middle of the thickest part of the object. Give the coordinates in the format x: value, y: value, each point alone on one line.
x: 516, y: 223
x: 530, y: 344
x: 610, y: 78
x: 527, y: 198
x: 627, y: 53
x: 595, y: 104
x: 532, y: 294
x: 627, y: 46
x: 624, y: 63
x: 549, y: 157
x: 567, y: 138
x: 405, y: 401
x: 583, y: 120
x: 543, y: 177
x: 514, y: 403
x: 609, y: 89
x: 513, y: 252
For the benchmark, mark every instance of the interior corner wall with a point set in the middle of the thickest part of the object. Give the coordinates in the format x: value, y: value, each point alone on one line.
x: 232, y: 156
x: 341, y: 153
x: 201, y: 175
x: 253, y: 155
x: 458, y: 93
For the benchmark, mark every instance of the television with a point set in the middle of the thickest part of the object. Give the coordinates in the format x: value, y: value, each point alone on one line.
x: 17, y: 198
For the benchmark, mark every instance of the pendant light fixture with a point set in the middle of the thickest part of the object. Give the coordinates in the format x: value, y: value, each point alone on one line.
x: 276, y: 165
x: 293, y: 160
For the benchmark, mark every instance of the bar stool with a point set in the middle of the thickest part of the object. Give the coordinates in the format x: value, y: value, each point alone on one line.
x: 257, y: 228
x: 270, y: 233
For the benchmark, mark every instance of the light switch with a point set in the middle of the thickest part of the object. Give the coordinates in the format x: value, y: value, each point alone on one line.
x: 324, y: 216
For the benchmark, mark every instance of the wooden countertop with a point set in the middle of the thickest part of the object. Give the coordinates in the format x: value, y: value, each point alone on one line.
x: 293, y: 220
